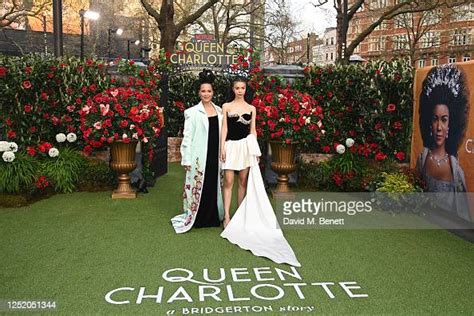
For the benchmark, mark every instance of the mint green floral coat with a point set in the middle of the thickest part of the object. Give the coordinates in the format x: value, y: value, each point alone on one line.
x: 194, y: 154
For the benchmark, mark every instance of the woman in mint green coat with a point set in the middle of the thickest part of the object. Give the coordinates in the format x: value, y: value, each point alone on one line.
x: 202, y: 198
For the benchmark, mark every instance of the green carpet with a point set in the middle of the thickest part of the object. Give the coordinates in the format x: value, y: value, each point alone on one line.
x: 75, y: 248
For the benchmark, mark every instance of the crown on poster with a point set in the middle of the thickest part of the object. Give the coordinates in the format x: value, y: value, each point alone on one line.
x: 445, y: 75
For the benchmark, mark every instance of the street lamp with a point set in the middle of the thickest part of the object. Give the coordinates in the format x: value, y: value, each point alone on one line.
x: 118, y: 31
x: 136, y: 42
x: 91, y: 15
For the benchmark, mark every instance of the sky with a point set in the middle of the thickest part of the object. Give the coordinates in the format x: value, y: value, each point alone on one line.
x: 313, y: 19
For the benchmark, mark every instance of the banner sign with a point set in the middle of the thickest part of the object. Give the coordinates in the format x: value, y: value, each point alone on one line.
x: 203, y: 51
x: 443, y: 133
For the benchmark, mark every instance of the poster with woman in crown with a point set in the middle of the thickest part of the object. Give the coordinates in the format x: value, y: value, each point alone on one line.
x: 443, y: 135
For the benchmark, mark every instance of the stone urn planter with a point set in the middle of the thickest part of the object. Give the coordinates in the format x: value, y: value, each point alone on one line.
x: 123, y: 162
x: 283, y: 163
x: 174, y: 149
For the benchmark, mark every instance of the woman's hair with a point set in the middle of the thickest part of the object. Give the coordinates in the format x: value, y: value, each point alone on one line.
x: 444, y: 85
x: 206, y: 76
x: 248, y: 97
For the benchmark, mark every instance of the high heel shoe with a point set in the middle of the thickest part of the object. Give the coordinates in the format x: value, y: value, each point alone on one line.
x: 225, y: 222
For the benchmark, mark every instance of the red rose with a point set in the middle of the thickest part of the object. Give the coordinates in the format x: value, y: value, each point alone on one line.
x: 33, y: 129
x: 380, y: 156
x: 397, y: 125
x: 378, y: 126
x: 47, y: 146
x: 400, y: 155
x: 42, y: 148
x: 337, y: 178
x: 9, y: 122
x: 11, y: 134
x: 28, y: 69
x: 3, y: 71
x: 31, y: 151
x: 27, y: 108
x: 123, y: 124
x: 391, y: 107
x: 326, y: 149
x: 26, y: 84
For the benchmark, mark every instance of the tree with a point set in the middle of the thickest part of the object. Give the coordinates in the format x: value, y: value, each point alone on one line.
x: 280, y: 28
x: 17, y: 12
x: 381, y: 11
x: 165, y: 18
x: 232, y: 22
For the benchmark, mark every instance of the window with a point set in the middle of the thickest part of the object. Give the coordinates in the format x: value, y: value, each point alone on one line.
x: 452, y: 59
x: 434, y: 62
x: 377, y: 44
x: 357, y: 49
x: 327, y: 56
x: 421, y: 63
x: 378, y: 4
x: 332, y: 56
x: 332, y: 40
x: 327, y: 41
x: 430, y: 39
x: 461, y: 37
x: 463, y: 13
x: 466, y: 58
x: 382, y: 26
x: 400, y: 42
x: 404, y: 21
x: 432, y: 17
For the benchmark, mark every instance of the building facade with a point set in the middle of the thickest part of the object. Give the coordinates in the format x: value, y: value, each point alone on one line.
x: 427, y: 38
x: 324, y: 53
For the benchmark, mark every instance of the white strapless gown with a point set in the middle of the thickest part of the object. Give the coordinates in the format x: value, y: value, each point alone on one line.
x: 254, y: 225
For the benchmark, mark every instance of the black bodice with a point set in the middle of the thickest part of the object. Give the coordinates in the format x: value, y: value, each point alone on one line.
x: 238, y: 126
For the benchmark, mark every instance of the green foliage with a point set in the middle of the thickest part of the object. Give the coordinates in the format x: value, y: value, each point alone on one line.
x: 18, y: 175
x: 395, y: 182
x: 355, y: 99
x: 96, y: 175
x: 64, y: 170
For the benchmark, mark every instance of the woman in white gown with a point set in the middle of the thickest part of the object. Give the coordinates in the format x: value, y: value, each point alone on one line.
x: 254, y: 226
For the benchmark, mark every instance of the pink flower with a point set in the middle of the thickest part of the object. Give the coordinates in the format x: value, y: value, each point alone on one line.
x: 98, y: 125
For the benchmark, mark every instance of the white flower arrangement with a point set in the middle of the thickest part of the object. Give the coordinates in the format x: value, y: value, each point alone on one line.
x: 71, y: 137
x: 349, y: 142
x: 4, y: 146
x: 8, y: 156
x: 13, y: 147
x: 340, y: 149
x: 60, y: 138
x: 53, y: 152
x: 124, y: 136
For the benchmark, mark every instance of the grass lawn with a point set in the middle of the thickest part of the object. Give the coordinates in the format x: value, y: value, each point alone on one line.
x: 75, y: 248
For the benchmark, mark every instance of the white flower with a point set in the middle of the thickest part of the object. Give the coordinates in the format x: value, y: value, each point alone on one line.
x: 60, y: 138
x: 71, y: 137
x: 349, y: 142
x: 323, y: 132
x: 340, y: 149
x: 124, y: 136
x: 53, y: 152
x: 307, y: 121
x: 132, y: 126
x: 4, y: 146
x: 8, y: 156
x: 319, y: 124
x: 281, y: 119
x: 145, y: 140
x: 13, y: 147
x: 135, y: 135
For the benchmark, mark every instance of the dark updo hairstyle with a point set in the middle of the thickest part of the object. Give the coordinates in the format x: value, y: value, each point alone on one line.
x: 444, y: 85
x: 248, y: 97
x: 206, y: 76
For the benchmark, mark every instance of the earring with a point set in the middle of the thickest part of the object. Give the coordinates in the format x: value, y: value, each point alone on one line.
x: 447, y: 132
x: 431, y: 133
